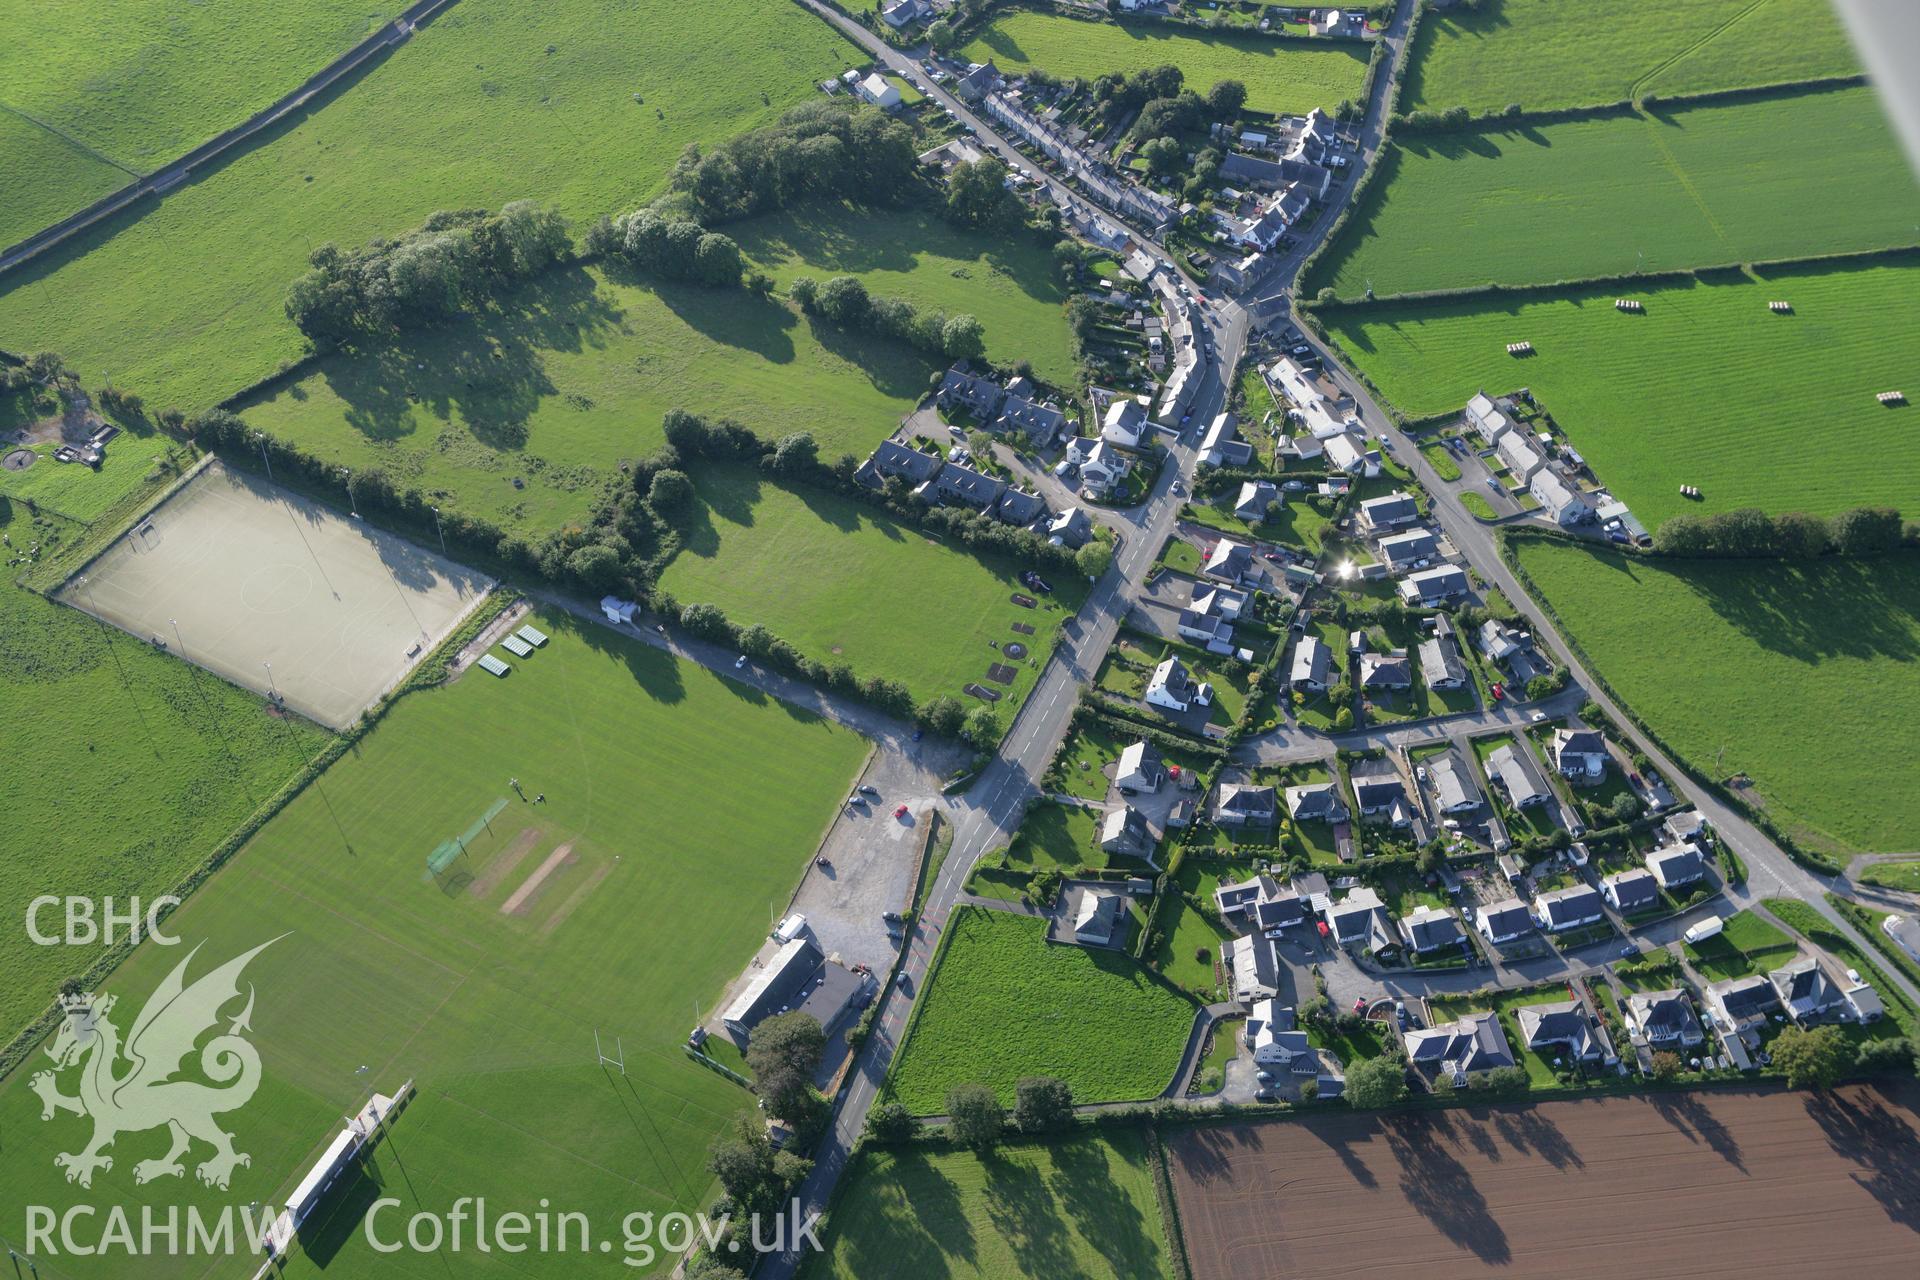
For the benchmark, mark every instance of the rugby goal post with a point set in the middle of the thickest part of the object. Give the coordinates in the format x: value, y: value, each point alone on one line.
x: 617, y: 1059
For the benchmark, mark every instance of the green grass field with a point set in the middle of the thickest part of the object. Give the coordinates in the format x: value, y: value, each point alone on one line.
x: 913, y: 253
x: 1706, y: 388
x: 485, y: 987
x: 1003, y: 1004
x: 576, y: 375
x: 1056, y: 837
x: 1893, y: 875
x: 183, y: 302
x: 1800, y: 676
x: 1280, y: 77
x: 885, y: 599
x: 1027, y: 1211
x: 1617, y: 194
x: 64, y: 177
x: 79, y: 492
x: 1546, y: 55
x: 125, y: 769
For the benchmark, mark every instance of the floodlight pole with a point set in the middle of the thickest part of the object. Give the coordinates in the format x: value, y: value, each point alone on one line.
x: 346, y: 475
x: 260, y: 438
x: 176, y: 636
x: 271, y: 687
x: 442, y: 532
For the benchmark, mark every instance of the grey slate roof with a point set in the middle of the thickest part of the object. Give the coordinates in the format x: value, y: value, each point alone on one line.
x: 1564, y: 907
x: 1677, y: 865
x: 1513, y: 766
x: 1249, y: 803
x: 1634, y: 889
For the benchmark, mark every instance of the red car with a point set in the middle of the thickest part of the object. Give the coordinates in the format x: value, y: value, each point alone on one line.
x: 901, y: 812
x: 1360, y: 1004
x: 1499, y: 692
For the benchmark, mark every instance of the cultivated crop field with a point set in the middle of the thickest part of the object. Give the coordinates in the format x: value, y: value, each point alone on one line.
x: 843, y: 583
x: 1546, y: 55
x: 1009, y: 283
x: 619, y: 902
x: 1801, y: 676
x: 1623, y: 193
x: 125, y: 770
x: 1082, y: 1207
x: 1003, y: 1004
x: 1706, y: 388
x: 1721, y: 1181
x: 183, y: 302
x: 574, y: 373
x: 1280, y: 76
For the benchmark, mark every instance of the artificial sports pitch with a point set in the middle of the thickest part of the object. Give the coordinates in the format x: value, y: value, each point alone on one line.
x: 278, y: 594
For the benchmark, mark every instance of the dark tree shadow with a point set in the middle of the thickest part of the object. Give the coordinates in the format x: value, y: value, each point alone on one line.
x: 1881, y: 1141
x: 1685, y: 1112
x: 1442, y: 1190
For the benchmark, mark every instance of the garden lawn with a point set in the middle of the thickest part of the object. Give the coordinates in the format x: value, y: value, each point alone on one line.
x: 1003, y: 1004
x: 1706, y: 388
x: 1083, y: 1206
x: 1805, y: 920
x: 182, y: 300
x: 126, y: 768
x: 1008, y: 283
x: 1281, y: 76
x: 1802, y: 674
x: 1893, y: 875
x: 1745, y: 945
x: 1546, y: 55
x: 484, y: 987
x: 573, y: 374
x: 886, y: 599
x: 48, y: 176
x: 1056, y: 837
x: 1623, y: 193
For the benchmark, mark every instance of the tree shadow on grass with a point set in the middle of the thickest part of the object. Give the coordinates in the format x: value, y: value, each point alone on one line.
x: 924, y: 1231
x: 654, y: 671
x: 894, y: 369
x: 1025, y: 1215
x: 1083, y: 1183
x: 729, y: 317
x: 1881, y: 1140
x: 1866, y: 608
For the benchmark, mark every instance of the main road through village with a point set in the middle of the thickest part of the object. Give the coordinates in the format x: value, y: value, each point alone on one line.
x: 990, y: 810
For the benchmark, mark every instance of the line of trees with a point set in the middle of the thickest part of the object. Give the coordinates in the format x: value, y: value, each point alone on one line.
x: 454, y: 262
x: 845, y: 301
x: 1795, y: 535
x: 673, y: 248
x: 827, y: 148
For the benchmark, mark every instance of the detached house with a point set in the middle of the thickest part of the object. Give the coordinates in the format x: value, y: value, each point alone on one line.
x: 1503, y: 921
x: 1383, y: 795
x: 1580, y: 755
x: 1261, y: 904
x: 1385, y: 672
x: 1220, y: 449
x: 1563, y: 1025
x: 1071, y: 528
x: 1570, y: 908
x: 1512, y: 766
x: 902, y: 14
x: 1361, y: 920
x: 1812, y: 990
x: 1390, y: 511
x: 1125, y: 423
x: 1242, y: 805
x: 1256, y: 498
x: 1103, y: 468
x: 1440, y: 664
x: 1631, y: 891
x: 1318, y: 802
x: 1435, y: 586
x: 1560, y: 502
x: 1141, y: 768
x: 1665, y: 1019
x: 1404, y: 550
x: 1432, y: 929
x: 1173, y: 688
x: 1739, y: 1004
x: 1310, y: 662
x: 1124, y: 832
x: 1677, y: 866
x: 1460, y: 1050
x: 1454, y: 790
x: 1229, y: 560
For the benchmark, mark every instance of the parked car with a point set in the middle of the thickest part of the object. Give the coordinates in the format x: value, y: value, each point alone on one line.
x: 869, y: 790
x: 740, y: 662
x: 901, y: 812
x: 1499, y: 692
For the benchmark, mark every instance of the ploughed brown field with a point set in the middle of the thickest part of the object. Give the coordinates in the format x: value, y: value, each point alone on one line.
x: 1754, y: 1183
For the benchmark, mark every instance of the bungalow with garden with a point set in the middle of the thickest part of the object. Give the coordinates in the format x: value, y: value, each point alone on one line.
x: 1631, y: 891
x: 902, y: 14
x: 1488, y: 422
x: 1229, y: 560
x: 1665, y: 1019
x: 1385, y: 672
x: 1240, y: 804
x: 1311, y: 658
x: 1389, y: 511
x: 1125, y: 423
x: 1173, y: 688
x: 1512, y: 766
x: 1440, y: 664
x: 1522, y: 458
x: 1503, y: 921
x: 1256, y: 498
x: 1123, y: 832
x: 1813, y: 990
x: 1457, y: 1051
x: 1431, y: 929
x: 1383, y: 795
x: 1689, y: 826
x: 1500, y: 642
x: 1406, y: 550
x: 976, y: 394
x: 1220, y: 449
x: 1097, y: 917
x: 1221, y: 602
x: 1737, y: 1005
x: 1316, y: 802
x: 1677, y: 866
x: 1435, y: 586
x: 1580, y: 755
x: 1574, y: 907
x: 1361, y: 920
x: 1451, y: 782
x: 1141, y: 768
x: 877, y: 89
x: 1252, y: 965
x: 1350, y: 454
x: 1563, y: 1025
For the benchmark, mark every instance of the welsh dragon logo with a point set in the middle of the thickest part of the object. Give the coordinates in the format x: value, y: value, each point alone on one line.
x: 133, y: 1087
